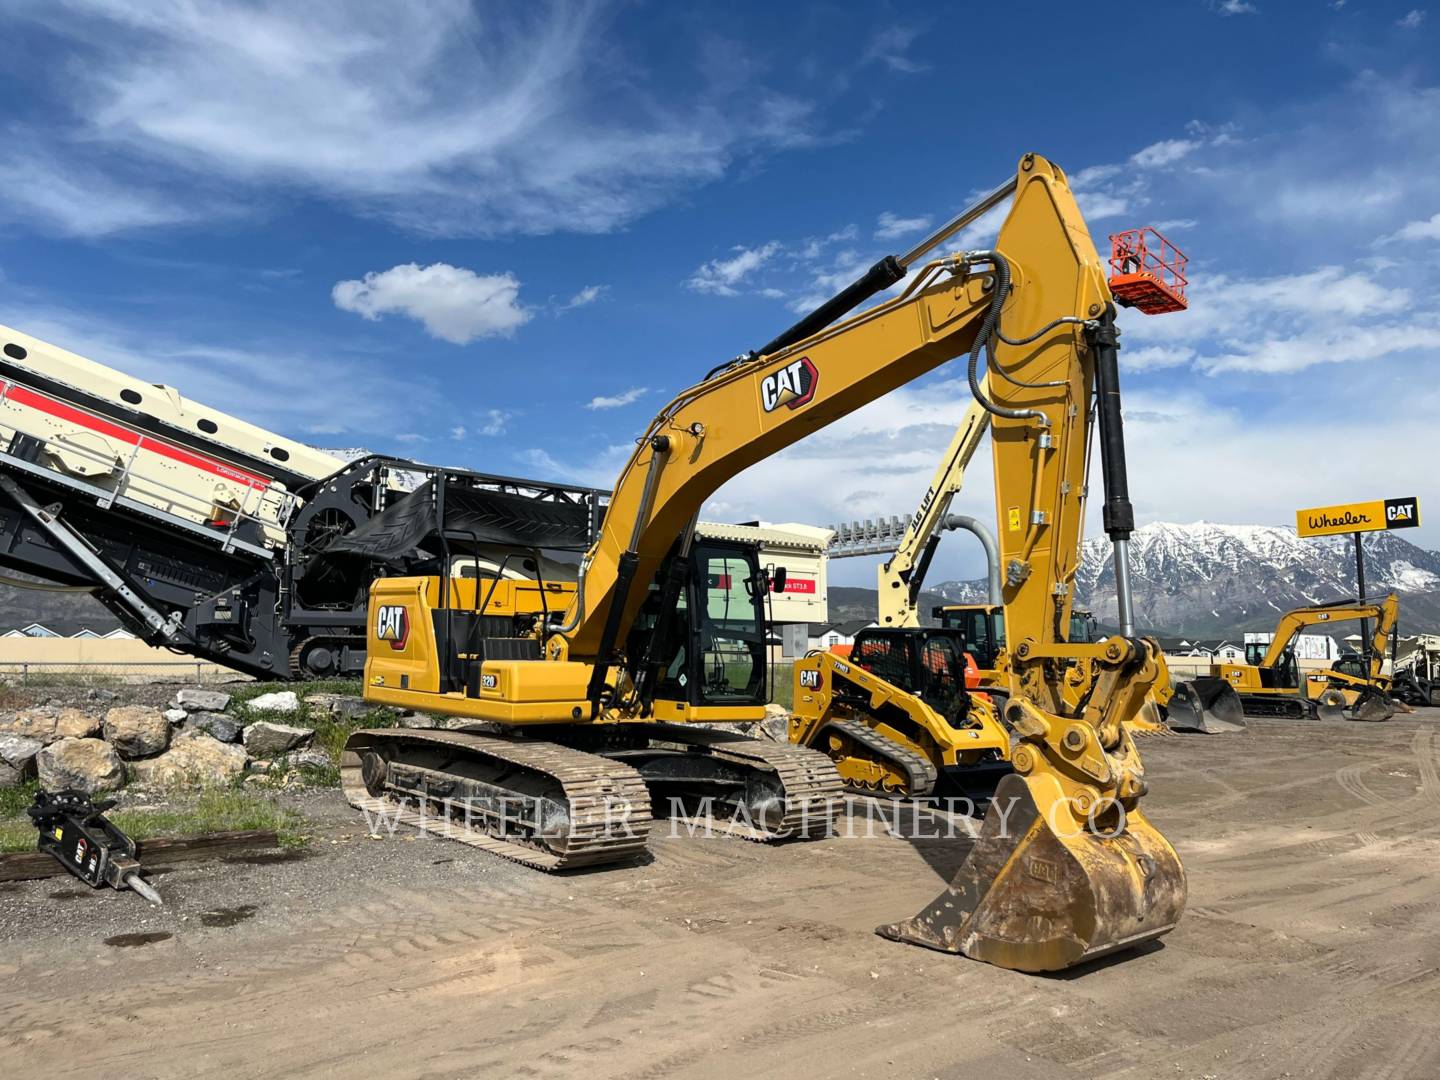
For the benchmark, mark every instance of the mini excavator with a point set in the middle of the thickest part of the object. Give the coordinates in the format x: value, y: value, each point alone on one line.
x: 1274, y: 686
x: 576, y: 723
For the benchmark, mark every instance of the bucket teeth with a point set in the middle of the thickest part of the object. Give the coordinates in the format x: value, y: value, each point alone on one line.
x: 1034, y: 897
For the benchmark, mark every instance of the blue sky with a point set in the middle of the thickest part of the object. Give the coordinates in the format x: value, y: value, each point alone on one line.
x: 500, y: 236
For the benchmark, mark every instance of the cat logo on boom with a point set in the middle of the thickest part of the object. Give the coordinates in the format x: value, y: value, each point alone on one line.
x: 392, y: 624
x: 792, y: 385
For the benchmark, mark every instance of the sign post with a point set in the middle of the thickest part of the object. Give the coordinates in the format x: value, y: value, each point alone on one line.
x: 1378, y: 515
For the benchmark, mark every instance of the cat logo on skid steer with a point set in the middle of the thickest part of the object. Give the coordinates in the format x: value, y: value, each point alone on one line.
x: 392, y: 624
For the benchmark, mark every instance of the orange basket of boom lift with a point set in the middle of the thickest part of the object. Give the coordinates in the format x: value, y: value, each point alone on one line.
x: 1147, y: 272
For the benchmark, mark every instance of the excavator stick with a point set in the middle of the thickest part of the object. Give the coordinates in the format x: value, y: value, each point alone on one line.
x: 1207, y: 705
x: 1043, y: 891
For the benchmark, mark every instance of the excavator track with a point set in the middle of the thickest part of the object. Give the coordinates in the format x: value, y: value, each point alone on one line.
x: 810, y: 795
x: 1277, y: 707
x: 601, y: 807
x: 921, y: 774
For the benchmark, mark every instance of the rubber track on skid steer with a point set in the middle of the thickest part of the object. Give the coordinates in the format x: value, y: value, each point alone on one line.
x: 812, y: 786
x: 608, y: 801
x: 920, y: 773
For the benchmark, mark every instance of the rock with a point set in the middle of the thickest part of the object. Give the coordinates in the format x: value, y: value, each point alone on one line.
x: 137, y: 731
x: 416, y: 720
x: 776, y: 725
x: 310, y: 759
x: 75, y: 724
x: 176, y: 716
x: 17, y: 759
x: 193, y: 758
x: 264, y: 739
x: 340, y: 705
x: 283, y: 701
x: 217, y: 725
x: 88, y: 765
x: 96, y: 694
x: 194, y: 699
x: 36, y: 724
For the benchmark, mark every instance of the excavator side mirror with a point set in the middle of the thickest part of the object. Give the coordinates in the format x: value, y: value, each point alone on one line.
x: 777, y: 580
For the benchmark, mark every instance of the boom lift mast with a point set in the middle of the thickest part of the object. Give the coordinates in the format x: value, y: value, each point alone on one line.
x: 1086, y: 873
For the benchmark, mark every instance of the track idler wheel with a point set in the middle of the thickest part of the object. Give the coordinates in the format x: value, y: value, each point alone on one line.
x: 1207, y: 705
x: 1043, y: 891
x: 1371, y: 706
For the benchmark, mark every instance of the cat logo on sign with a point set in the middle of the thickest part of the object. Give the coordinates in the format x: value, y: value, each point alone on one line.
x: 1378, y: 515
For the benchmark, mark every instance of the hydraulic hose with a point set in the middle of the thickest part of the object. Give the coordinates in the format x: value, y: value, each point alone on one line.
x: 983, y: 341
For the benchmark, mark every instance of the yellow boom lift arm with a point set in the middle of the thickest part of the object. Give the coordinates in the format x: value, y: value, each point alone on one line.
x: 1070, y: 868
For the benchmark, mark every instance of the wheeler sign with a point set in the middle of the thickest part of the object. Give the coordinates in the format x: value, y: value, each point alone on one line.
x: 1376, y: 516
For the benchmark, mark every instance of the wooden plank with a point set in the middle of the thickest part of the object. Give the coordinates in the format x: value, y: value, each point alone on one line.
x: 154, y: 853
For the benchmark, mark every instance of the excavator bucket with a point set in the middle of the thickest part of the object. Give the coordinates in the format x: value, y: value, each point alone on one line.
x: 1371, y: 705
x: 1331, y: 706
x: 1041, y: 892
x: 1209, y: 706
x: 1148, y: 721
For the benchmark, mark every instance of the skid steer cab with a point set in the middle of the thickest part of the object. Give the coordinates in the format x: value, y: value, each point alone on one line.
x: 896, y: 717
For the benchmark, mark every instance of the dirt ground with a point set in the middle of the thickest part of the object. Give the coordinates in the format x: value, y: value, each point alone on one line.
x: 1311, y: 947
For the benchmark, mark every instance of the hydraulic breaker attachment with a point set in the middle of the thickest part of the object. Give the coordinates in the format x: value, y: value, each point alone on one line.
x: 1207, y: 705
x: 1044, y: 890
x: 87, y: 843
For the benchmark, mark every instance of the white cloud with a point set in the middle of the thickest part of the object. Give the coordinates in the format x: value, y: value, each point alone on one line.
x: 889, y: 226
x: 447, y: 118
x: 585, y: 297
x: 1411, y: 20
x: 1237, y: 7
x: 409, y: 437
x: 454, y: 304
x: 1427, y: 229
x: 720, y: 277
x: 458, y: 432
x: 495, y: 422
x: 1164, y: 152
x: 891, y: 47
x: 615, y: 401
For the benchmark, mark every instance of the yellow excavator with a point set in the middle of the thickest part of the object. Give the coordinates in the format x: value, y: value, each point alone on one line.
x: 1274, y: 686
x: 577, y: 722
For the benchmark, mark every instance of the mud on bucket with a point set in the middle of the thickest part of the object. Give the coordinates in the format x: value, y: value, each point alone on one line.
x: 1032, y: 896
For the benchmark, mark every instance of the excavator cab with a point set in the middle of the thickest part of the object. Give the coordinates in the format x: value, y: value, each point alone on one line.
x: 708, y: 649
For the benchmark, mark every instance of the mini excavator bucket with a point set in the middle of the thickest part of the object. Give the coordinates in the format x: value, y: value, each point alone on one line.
x: 1042, y: 891
x: 1371, y: 705
x: 1207, y: 705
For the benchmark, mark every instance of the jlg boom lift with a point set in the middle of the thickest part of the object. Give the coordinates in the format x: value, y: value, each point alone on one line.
x: 593, y: 707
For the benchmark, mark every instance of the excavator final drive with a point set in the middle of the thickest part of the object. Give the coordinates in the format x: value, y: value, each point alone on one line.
x: 580, y: 720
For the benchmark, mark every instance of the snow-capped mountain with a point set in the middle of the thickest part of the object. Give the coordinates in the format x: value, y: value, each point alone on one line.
x: 1209, y: 580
